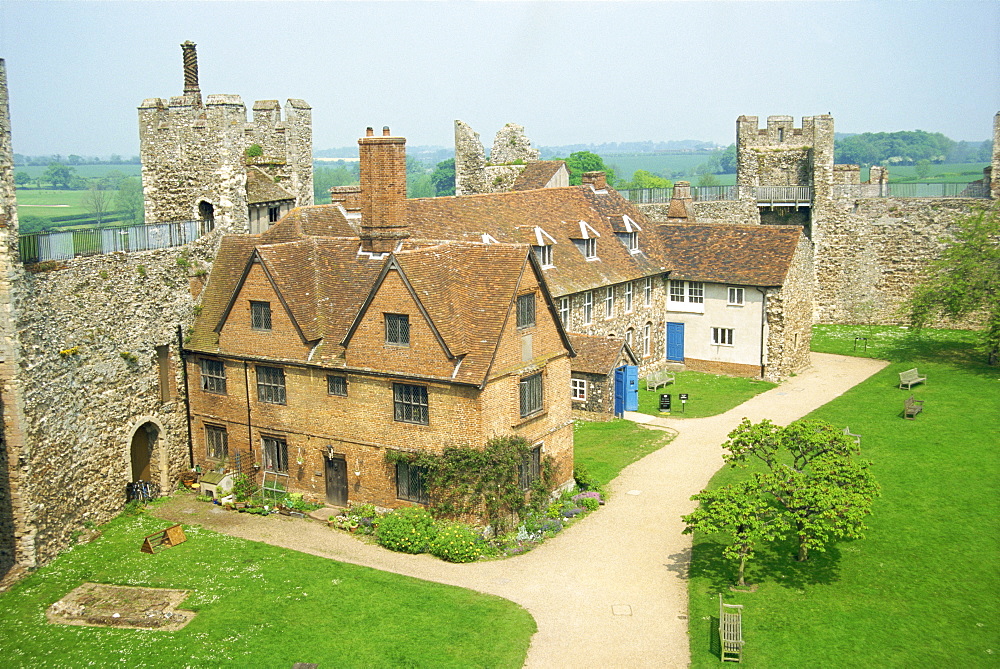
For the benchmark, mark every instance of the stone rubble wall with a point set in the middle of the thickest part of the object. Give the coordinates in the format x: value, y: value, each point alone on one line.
x: 511, y: 145
x: 789, y: 318
x: 474, y: 175
x: 870, y: 253
x: 90, y: 378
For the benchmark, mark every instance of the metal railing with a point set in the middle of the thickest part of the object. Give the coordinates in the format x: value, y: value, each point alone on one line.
x: 42, y: 246
x: 782, y: 196
x: 662, y: 195
x: 938, y: 190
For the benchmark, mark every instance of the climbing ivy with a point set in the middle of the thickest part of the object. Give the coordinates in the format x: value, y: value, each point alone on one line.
x: 487, y: 482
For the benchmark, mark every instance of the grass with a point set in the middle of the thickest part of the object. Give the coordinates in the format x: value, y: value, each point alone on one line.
x: 49, y: 202
x: 603, y: 449
x: 260, y: 606
x: 708, y: 394
x: 921, y: 590
x: 86, y: 171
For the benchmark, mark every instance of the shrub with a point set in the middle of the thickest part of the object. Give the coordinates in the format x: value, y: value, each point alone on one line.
x: 585, y: 480
x: 254, y: 151
x: 362, y: 511
x: 589, y: 503
x: 456, y: 543
x: 407, y: 530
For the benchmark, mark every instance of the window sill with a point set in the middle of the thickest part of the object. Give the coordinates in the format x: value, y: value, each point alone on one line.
x: 687, y: 307
x: 534, y: 416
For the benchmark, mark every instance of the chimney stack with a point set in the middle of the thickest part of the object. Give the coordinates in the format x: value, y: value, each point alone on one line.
x: 383, y: 191
x: 598, y: 180
x: 191, y: 72
x: 681, y: 208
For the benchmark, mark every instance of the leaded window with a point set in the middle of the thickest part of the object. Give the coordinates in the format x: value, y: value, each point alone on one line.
x: 531, y: 394
x: 271, y: 385
x: 213, y: 376
x: 410, y: 403
x: 275, y: 455
x: 530, y: 468
x: 216, y: 442
x: 397, y: 329
x: 526, y: 310
x: 410, y: 483
x: 336, y: 385
x: 260, y: 316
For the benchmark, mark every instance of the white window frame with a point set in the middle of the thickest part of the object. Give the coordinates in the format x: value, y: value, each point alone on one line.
x: 564, y: 310
x: 734, y: 296
x: 628, y: 297
x: 544, y: 255
x: 722, y: 336
x: 609, y: 302
x: 590, y: 248
x: 647, y: 290
x: 686, y: 296
x: 628, y: 337
x: 647, y: 337
x: 588, y: 307
x: 578, y: 389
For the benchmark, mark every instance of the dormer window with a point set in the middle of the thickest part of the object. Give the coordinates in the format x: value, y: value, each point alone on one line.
x: 590, y: 249
x: 587, y: 241
x: 632, y: 241
x: 543, y: 254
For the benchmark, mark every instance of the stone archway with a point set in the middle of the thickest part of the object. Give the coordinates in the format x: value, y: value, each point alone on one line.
x: 146, y: 452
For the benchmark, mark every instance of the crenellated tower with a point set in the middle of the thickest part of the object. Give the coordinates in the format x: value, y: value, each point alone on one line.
x: 204, y: 160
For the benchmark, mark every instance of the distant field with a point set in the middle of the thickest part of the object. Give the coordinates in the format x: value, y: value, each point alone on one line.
x: 661, y: 164
x: 50, y: 203
x: 951, y: 173
x: 85, y: 171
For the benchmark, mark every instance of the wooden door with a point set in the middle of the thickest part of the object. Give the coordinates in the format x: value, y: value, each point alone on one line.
x: 336, y: 481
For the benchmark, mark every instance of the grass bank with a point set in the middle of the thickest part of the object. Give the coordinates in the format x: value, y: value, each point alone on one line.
x: 921, y: 589
x: 258, y: 606
x: 708, y: 394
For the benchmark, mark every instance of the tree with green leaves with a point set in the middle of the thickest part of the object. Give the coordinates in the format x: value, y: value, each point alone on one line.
x: 965, y: 280
x: 129, y: 200
x: 585, y: 161
x: 97, y: 201
x: 443, y: 177
x: 740, y: 511
x: 645, y: 179
x: 22, y: 178
x: 58, y: 175
x: 823, y: 493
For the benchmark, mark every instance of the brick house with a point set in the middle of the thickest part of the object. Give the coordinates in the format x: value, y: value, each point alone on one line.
x: 592, y: 371
x: 315, y: 354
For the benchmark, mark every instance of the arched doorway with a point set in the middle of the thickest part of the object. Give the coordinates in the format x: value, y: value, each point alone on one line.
x: 206, y: 212
x: 143, y: 442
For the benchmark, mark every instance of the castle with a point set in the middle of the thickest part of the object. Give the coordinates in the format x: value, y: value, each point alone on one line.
x: 95, y: 359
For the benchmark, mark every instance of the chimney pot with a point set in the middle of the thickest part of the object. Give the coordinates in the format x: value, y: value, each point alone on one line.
x: 385, y: 131
x: 369, y: 132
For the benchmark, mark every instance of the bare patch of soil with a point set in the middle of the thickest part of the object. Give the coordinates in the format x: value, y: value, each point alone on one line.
x: 102, y: 605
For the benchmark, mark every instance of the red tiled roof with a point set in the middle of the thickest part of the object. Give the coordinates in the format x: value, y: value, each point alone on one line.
x: 262, y: 188
x: 598, y: 355
x: 752, y: 255
x: 537, y: 174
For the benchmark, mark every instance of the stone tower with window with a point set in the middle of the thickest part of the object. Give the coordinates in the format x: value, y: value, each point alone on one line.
x: 204, y: 159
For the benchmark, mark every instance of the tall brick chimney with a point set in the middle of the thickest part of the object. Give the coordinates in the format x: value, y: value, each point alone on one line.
x: 191, y: 72
x: 383, y: 191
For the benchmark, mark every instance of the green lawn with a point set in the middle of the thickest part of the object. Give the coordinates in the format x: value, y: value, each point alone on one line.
x: 258, y: 606
x: 921, y: 590
x: 605, y: 448
x: 86, y: 171
x: 708, y: 394
x: 50, y: 203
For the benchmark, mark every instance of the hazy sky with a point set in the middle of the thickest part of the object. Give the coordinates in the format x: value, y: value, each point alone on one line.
x: 570, y: 72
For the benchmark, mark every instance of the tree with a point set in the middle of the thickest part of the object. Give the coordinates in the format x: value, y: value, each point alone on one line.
x: 708, y: 179
x: 58, y: 175
x: 738, y: 510
x: 97, y: 201
x: 965, y: 280
x: 923, y: 168
x: 129, y: 200
x: 822, y: 492
x: 585, y: 161
x: 443, y: 177
x: 22, y: 178
x: 644, y: 179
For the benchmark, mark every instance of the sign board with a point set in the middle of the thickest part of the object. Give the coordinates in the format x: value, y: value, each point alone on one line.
x: 665, y: 402
x: 683, y: 397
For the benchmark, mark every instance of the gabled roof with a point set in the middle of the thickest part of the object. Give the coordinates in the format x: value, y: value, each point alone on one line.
x: 320, y: 220
x: 751, y: 255
x: 514, y: 217
x: 262, y: 188
x: 465, y: 290
x: 537, y: 174
x: 599, y: 355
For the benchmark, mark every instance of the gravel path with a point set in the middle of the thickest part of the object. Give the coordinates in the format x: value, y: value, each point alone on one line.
x: 607, y: 592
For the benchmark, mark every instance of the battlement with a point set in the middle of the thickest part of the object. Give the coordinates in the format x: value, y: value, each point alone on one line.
x: 780, y: 131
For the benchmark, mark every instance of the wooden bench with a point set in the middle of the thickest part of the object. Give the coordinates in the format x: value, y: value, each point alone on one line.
x: 730, y: 631
x: 910, y: 377
x: 656, y: 379
x: 912, y: 407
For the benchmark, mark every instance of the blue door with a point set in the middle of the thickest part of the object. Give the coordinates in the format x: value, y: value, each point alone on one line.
x: 619, y: 391
x: 626, y: 389
x: 675, y: 342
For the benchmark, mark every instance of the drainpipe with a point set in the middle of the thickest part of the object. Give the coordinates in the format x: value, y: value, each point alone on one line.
x: 187, y: 395
x: 246, y: 381
x: 763, y: 323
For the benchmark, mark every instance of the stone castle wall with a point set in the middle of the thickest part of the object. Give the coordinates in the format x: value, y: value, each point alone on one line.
x: 192, y: 154
x: 511, y: 152
x: 90, y: 378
